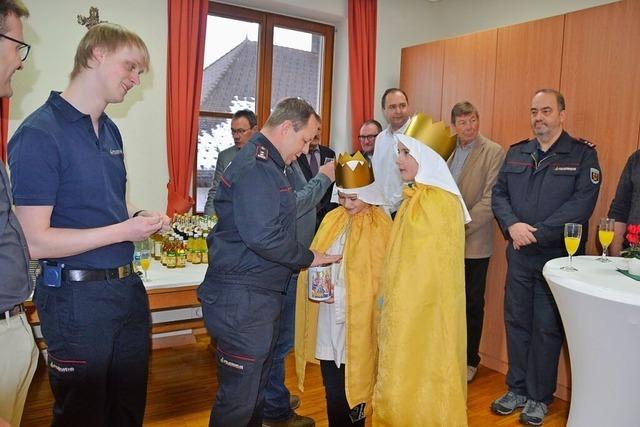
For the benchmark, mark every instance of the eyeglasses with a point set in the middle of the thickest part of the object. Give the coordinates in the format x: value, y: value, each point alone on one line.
x: 370, y: 138
x: 238, y: 131
x: 23, y: 48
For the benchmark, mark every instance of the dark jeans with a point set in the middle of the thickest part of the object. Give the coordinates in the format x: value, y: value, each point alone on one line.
x: 475, y: 272
x: 243, y: 321
x: 534, y: 328
x: 97, y: 336
x: 337, y: 406
x: 276, y: 396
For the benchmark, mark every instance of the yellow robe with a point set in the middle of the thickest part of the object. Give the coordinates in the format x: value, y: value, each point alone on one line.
x: 363, y: 259
x: 422, y: 332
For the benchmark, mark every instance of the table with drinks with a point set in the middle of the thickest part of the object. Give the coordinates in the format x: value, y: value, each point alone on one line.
x: 599, y: 303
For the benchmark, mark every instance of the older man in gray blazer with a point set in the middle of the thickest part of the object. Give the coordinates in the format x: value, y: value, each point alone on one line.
x: 243, y: 125
x: 475, y: 164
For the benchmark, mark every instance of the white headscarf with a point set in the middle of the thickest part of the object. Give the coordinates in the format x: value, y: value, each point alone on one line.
x: 432, y: 169
x: 369, y: 194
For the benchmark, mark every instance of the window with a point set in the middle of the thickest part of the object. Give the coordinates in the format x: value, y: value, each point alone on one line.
x: 252, y: 60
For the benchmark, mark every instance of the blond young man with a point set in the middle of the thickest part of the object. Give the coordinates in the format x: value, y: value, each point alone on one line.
x: 69, y: 186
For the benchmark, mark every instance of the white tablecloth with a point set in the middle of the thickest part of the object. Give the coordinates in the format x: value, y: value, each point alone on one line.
x: 600, y: 310
x: 162, y: 277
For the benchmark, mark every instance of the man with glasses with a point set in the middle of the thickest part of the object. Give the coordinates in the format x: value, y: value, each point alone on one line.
x: 243, y: 125
x: 367, y: 138
x: 18, y: 351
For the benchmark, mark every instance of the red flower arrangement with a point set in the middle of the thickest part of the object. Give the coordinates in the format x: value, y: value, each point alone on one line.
x: 633, y: 237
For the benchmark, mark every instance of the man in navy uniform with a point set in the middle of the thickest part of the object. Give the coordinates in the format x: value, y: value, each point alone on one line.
x: 69, y: 186
x: 252, y: 253
x: 544, y: 183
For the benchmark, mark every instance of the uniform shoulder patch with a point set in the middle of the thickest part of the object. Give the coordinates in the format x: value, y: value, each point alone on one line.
x: 585, y: 142
x: 524, y: 141
x: 262, y: 153
x: 595, y: 176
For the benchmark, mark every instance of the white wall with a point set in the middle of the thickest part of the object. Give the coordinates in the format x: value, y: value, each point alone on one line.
x: 54, y: 33
x: 403, y: 23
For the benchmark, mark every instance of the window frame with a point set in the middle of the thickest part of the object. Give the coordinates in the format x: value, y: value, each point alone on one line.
x: 267, y: 22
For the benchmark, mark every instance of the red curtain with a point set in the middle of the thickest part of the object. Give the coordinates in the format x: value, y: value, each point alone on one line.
x: 187, y: 26
x: 362, y: 63
x: 4, y: 127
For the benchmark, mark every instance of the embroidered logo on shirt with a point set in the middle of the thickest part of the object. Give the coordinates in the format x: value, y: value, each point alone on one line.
x: 565, y: 168
x: 115, y: 152
x: 595, y: 175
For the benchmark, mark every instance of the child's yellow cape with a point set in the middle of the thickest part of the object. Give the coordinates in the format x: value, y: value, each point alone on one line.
x: 422, y: 334
x: 363, y: 258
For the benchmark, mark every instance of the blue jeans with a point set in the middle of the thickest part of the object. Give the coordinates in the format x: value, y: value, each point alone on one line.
x: 276, y: 395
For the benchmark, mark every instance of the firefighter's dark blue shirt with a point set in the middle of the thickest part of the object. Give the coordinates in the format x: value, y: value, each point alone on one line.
x: 547, y: 191
x: 254, y: 242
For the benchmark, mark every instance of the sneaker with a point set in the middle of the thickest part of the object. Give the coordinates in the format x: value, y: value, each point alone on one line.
x: 471, y: 373
x: 533, y: 413
x: 294, y: 401
x: 507, y: 403
x: 294, y: 421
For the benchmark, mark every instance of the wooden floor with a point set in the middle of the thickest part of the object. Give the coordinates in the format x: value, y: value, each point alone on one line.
x: 182, y: 384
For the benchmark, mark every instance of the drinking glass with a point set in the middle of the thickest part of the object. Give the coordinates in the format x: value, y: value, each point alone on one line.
x: 145, y: 258
x: 605, y: 234
x: 572, y: 236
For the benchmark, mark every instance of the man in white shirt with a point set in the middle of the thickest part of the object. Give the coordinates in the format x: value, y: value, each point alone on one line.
x: 395, y: 107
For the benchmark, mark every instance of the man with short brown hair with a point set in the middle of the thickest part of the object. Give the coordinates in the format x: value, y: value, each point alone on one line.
x: 475, y: 164
x: 395, y: 107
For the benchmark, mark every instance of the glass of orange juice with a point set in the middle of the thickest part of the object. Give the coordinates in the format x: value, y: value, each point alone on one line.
x: 145, y: 258
x: 572, y: 236
x: 605, y: 234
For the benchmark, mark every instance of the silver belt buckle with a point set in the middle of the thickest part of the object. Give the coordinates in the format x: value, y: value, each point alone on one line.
x: 124, y: 271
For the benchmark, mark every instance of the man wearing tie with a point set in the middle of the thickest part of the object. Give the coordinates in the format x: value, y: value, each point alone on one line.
x: 310, y: 165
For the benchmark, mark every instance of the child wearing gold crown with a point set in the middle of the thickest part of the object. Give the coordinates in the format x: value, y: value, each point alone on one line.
x: 340, y: 333
x: 422, y: 335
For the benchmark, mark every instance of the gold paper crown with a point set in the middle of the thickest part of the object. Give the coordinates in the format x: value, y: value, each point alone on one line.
x: 353, y: 171
x: 436, y: 136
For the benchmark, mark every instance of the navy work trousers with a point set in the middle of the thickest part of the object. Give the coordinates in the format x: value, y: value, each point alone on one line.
x: 243, y: 321
x: 97, y: 336
x: 534, y: 328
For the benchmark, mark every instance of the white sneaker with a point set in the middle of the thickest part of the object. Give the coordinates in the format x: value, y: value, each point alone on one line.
x: 471, y: 373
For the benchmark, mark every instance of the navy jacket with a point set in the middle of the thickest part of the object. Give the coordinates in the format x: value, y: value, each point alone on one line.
x: 254, y: 242
x: 561, y: 188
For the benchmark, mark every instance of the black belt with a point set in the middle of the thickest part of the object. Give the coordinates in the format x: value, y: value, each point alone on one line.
x: 16, y: 310
x: 73, y: 275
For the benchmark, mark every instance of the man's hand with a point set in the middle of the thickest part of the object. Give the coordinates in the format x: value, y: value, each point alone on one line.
x: 319, y: 258
x: 328, y: 169
x: 141, y: 227
x: 522, y: 234
x: 166, y: 221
